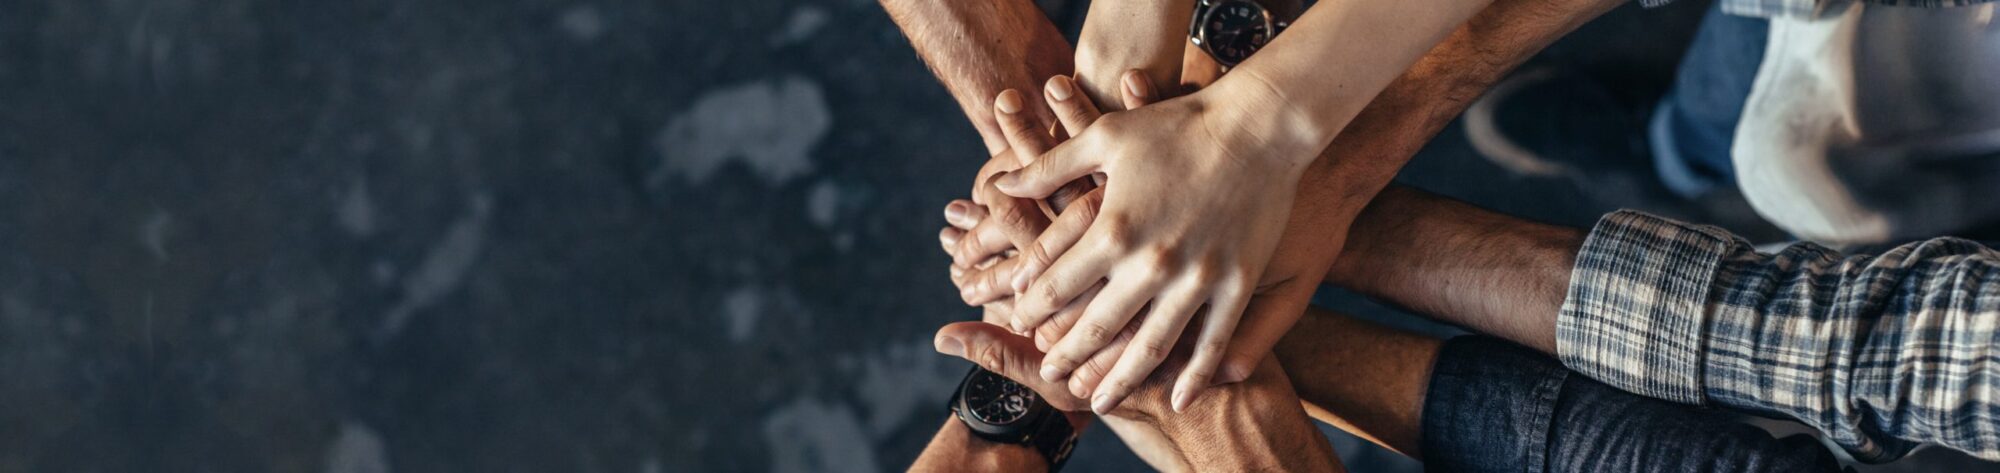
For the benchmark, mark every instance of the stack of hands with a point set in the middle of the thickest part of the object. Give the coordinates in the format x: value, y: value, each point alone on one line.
x: 1114, y: 282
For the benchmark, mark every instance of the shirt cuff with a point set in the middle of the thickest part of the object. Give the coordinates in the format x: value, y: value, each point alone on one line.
x: 1633, y: 316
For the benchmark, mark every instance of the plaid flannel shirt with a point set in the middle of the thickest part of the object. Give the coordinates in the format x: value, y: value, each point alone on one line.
x: 1878, y: 352
x: 1808, y: 8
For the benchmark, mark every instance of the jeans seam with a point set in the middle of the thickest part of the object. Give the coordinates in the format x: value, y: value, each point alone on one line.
x: 1547, y: 393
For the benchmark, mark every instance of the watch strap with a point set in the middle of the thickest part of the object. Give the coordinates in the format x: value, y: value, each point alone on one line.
x: 1055, y: 439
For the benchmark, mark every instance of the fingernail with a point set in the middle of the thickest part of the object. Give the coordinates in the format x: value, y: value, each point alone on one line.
x: 948, y: 237
x: 1135, y: 84
x: 954, y: 212
x: 1101, y: 404
x: 1009, y: 102
x: 1050, y: 373
x: 1060, y: 88
x: 1181, y: 399
x: 1076, y: 387
x: 1019, y: 327
x: 1020, y: 282
x: 951, y: 346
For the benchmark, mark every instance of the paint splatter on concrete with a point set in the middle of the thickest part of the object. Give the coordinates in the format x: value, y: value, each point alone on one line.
x: 444, y: 267
x: 812, y: 436
x: 153, y: 234
x: 358, y: 449
x: 804, y: 21
x: 356, y: 212
x: 904, y: 380
x: 823, y: 203
x: 742, y: 307
x: 582, y: 23
x: 770, y: 126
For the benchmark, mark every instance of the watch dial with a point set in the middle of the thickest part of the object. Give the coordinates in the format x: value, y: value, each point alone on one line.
x: 1236, y: 28
x: 996, y: 400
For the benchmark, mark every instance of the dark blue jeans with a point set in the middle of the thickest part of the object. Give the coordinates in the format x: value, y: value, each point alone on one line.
x: 1496, y: 406
x: 1695, y: 125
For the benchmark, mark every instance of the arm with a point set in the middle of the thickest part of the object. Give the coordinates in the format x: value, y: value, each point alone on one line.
x: 1121, y: 35
x: 1256, y: 425
x: 1880, y: 352
x: 955, y: 448
x: 979, y: 48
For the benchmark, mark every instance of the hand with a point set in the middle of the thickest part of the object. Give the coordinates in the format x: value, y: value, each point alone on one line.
x: 980, y: 246
x: 1254, y: 425
x: 1193, y: 210
x: 1123, y: 35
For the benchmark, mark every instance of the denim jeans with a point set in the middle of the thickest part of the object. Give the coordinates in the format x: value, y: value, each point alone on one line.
x: 1496, y: 406
x: 1694, y: 127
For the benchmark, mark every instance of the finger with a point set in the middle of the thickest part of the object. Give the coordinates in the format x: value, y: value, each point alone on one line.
x: 1066, y: 162
x: 1057, y: 239
x: 1007, y: 354
x: 1149, y: 347
x: 1218, y: 325
x: 1017, y: 221
x: 1026, y: 135
x: 1086, y: 378
x: 1102, y: 320
x: 1072, y: 109
x: 1137, y: 91
x: 987, y: 239
x: 983, y: 286
x: 1264, y: 323
x: 964, y: 214
x: 1071, y: 274
x: 1059, y: 324
x: 948, y: 238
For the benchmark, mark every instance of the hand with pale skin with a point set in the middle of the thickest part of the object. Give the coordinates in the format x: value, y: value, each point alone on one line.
x: 1198, y: 192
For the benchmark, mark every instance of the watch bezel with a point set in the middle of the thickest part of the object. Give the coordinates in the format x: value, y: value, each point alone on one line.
x: 1012, y: 432
x: 1198, y: 31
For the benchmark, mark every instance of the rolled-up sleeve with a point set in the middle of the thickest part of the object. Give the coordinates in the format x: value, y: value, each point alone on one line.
x: 1879, y: 352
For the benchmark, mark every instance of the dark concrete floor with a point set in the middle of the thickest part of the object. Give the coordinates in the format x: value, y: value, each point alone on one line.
x: 525, y: 235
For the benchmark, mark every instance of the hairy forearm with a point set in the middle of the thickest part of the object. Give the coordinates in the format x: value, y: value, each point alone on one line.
x: 956, y: 449
x: 1364, y: 378
x: 1461, y: 264
x: 980, y: 48
x: 1433, y: 91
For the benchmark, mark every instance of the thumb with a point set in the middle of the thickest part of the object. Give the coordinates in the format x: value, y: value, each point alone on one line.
x: 1014, y: 356
x: 1051, y: 171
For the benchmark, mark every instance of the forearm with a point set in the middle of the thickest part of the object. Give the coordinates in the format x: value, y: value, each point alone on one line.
x: 956, y: 449
x: 1364, y: 378
x: 979, y: 48
x: 1879, y: 351
x: 1122, y: 35
x: 1305, y: 87
x: 1393, y: 127
x: 1479, y: 269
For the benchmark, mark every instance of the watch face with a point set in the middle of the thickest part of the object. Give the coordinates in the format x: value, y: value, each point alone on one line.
x: 1235, y: 28
x: 996, y: 400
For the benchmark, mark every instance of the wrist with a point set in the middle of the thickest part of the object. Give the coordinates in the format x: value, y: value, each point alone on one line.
x: 1252, y: 113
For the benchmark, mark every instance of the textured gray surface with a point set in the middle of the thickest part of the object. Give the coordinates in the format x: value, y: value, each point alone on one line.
x: 531, y: 235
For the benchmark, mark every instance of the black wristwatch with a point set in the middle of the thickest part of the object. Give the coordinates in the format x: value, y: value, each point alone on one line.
x: 1230, y: 30
x: 1000, y: 410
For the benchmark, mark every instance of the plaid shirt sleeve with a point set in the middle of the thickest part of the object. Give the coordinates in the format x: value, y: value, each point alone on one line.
x: 1878, y: 352
x: 1809, y: 8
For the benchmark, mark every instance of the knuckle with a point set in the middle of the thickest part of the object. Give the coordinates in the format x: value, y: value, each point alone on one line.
x: 991, y: 357
x: 1096, y: 334
x: 1048, y: 294
x: 1013, y: 215
x: 1150, y: 351
x: 1216, y: 347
